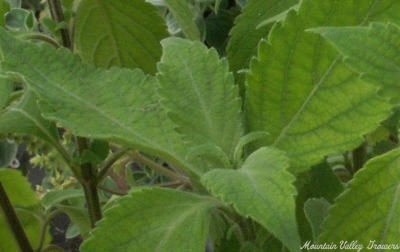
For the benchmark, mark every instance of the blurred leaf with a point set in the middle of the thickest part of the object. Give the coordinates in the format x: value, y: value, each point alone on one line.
x: 185, y: 17
x: 79, y: 217
x: 316, y: 211
x: 24, y: 200
x: 218, y: 26
x: 19, y: 20
x: 6, y: 88
x: 245, y: 36
x: 24, y: 117
x: 8, y: 150
x: 4, y: 8
x: 52, y: 198
x: 18, y: 188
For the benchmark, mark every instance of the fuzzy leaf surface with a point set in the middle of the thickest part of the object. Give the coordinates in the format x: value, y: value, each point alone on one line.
x: 263, y: 190
x: 24, y: 117
x: 84, y: 99
x: 184, y: 16
x: 301, y: 93
x: 119, y: 33
x: 154, y: 220
x: 372, y: 51
x: 371, y: 204
x: 200, y: 95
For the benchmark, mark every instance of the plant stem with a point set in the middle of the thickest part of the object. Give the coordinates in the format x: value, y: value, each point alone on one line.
x: 86, y: 173
x: 41, y: 37
x: 112, y: 191
x: 43, y: 230
x: 13, y: 222
x: 158, y: 168
x: 57, y: 15
x: 89, y: 184
x: 92, y: 201
x: 359, y: 157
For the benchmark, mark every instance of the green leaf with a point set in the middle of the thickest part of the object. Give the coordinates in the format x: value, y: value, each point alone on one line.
x: 6, y: 88
x: 8, y: 151
x: 31, y: 225
x: 52, y: 198
x: 154, y: 220
x: 218, y: 26
x: 371, y: 204
x: 119, y: 33
x: 245, y: 36
x: 21, y: 196
x: 4, y: 8
x: 301, y: 93
x: 200, y: 94
x: 79, y: 217
x: 19, y: 20
x: 184, y: 17
x: 18, y: 188
x: 372, y: 51
x: 316, y: 210
x: 84, y: 99
x: 24, y: 117
x: 261, y: 189
x: 318, y: 182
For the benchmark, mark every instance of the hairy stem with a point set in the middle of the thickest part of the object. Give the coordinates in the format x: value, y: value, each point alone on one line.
x: 13, y: 222
x: 158, y: 168
x: 57, y: 15
x: 41, y: 37
x: 112, y: 191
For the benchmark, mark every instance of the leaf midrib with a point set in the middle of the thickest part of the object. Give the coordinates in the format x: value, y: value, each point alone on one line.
x: 308, y: 99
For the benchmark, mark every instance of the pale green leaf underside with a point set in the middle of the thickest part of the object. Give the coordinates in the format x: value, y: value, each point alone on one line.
x: 261, y: 189
x: 301, y: 93
x: 245, y: 35
x: 199, y: 92
x: 316, y: 211
x: 373, y: 51
x: 52, y: 198
x: 154, y: 220
x: 116, y: 104
x: 23, y: 117
x: 119, y: 33
x: 371, y: 204
x: 184, y: 16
